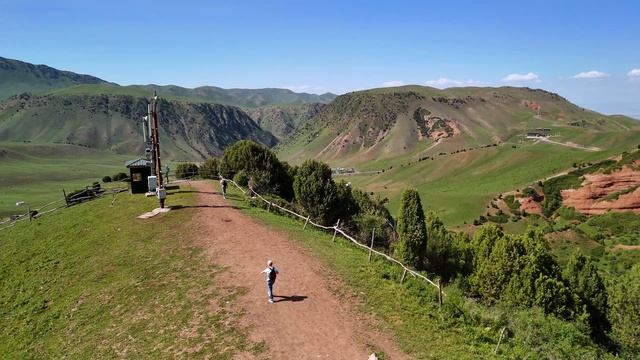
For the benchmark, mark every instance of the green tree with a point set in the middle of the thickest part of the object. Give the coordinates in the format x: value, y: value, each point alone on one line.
x: 496, y: 261
x: 186, y: 170
x: 412, y: 230
x: 538, y: 281
x: 209, y: 169
x: 119, y: 176
x: 315, y: 190
x: 371, y: 213
x: 624, y: 312
x: 519, y: 270
x: 447, y: 253
x: 259, y: 163
x: 581, y: 275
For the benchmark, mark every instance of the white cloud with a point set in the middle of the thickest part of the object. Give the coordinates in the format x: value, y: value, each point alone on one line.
x: 393, y: 83
x: 593, y: 74
x: 634, y: 73
x: 445, y: 82
x: 522, y: 77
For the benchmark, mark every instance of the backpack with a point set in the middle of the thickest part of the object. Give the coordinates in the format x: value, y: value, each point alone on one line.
x: 272, y: 275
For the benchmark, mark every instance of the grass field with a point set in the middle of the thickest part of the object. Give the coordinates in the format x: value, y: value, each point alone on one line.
x: 94, y: 282
x: 461, y: 329
x: 37, y: 173
x: 458, y: 187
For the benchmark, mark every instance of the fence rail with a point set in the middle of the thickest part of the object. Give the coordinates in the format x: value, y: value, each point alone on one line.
x: 68, y: 201
x: 337, y: 230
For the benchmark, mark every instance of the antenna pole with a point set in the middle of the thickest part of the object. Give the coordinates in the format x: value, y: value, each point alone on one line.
x: 160, y: 192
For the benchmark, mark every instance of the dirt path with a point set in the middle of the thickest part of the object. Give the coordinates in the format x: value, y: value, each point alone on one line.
x: 569, y: 144
x: 307, y: 321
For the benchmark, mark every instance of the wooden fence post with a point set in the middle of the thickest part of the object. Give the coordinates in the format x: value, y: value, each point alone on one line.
x: 29, y: 213
x: 439, y: 293
x: 404, y: 273
x: 499, y: 340
x: 66, y: 199
x: 373, y: 234
x: 335, y: 231
x: 269, y: 208
x: 306, y: 222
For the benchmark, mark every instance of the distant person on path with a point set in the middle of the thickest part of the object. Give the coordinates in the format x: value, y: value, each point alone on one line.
x: 271, y: 272
x: 223, y: 185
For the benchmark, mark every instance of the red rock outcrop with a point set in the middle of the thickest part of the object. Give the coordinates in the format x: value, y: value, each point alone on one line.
x: 530, y: 206
x: 532, y: 105
x: 590, y: 197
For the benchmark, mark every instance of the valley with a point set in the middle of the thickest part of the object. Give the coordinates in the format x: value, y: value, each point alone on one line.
x: 500, y: 180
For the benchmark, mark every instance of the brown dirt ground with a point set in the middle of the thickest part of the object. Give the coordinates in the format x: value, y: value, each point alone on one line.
x: 307, y: 321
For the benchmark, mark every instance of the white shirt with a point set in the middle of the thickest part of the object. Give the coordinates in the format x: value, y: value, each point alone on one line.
x: 268, y: 271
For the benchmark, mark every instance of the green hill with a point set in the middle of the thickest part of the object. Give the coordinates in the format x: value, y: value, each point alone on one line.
x: 17, y: 77
x: 283, y: 120
x: 245, y: 98
x: 459, y: 147
x: 113, y: 122
x: 378, y: 124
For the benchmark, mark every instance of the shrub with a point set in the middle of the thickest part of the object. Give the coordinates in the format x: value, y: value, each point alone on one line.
x: 106, y: 179
x: 241, y: 178
x: 315, y: 190
x: 624, y: 312
x: 581, y: 275
x: 448, y: 254
x: 186, y: 170
x: 512, y: 203
x: 209, y: 169
x: 519, y: 270
x: 119, y: 176
x: 412, y: 244
x: 259, y: 163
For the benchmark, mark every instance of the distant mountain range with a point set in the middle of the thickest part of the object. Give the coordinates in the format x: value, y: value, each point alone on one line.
x: 43, y: 104
x: 352, y: 129
x: 377, y: 124
x: 17, y: 77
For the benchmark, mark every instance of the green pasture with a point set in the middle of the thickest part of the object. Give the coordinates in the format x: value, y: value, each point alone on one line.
x: 459, y: 187
x: 37, y: 173
x: 94, y: 282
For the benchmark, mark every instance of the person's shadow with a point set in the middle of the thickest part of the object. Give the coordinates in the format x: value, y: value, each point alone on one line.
x: 294, y: 298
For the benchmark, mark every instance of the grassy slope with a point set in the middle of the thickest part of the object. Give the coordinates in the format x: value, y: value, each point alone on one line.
x: 17, y: 77
x: 37, y: 173
x: 410, y: 311
x: 458, y: 186
x: 235, y: 97
x: 93, y: 281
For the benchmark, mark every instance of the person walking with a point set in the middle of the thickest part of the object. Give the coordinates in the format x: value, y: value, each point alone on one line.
x: 272, y: 273
x: 223, y: 185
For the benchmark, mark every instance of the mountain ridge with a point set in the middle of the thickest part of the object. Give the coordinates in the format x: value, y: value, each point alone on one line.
x: 383, y: 123
x: 18, y: 76
x: 188, y: 130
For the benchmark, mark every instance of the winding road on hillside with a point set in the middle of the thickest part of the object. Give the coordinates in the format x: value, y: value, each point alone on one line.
x: 307, y: 321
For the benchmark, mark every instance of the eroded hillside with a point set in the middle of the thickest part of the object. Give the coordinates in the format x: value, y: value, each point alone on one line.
x: 112, y: 122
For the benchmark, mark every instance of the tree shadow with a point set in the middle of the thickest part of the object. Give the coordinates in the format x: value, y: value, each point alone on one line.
x: 293, y: 298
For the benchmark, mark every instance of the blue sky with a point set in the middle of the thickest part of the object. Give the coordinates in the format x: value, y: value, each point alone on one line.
x: 340, y: 46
